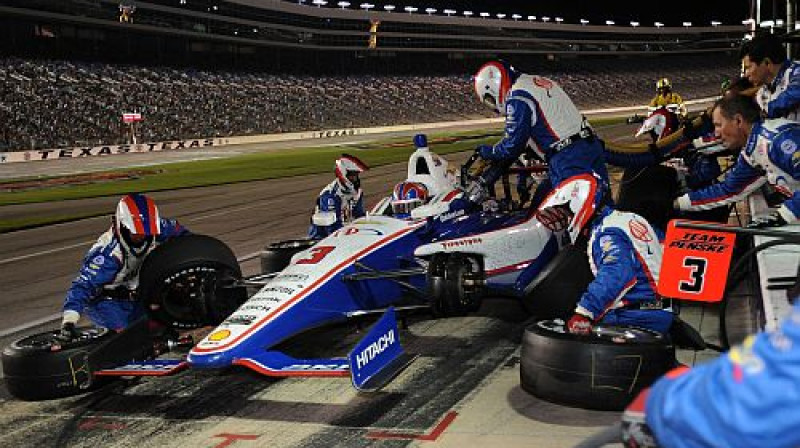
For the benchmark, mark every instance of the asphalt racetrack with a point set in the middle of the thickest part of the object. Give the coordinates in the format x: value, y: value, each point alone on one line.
x: 463, y: 390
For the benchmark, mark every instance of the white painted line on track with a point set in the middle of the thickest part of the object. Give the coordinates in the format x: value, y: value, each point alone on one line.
x: 44, y: 252
x: 31, y: 324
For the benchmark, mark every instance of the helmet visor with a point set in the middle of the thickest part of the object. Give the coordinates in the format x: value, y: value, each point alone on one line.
x: 403, y: 208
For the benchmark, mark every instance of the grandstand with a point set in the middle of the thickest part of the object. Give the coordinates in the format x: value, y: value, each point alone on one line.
x: 207, y: 68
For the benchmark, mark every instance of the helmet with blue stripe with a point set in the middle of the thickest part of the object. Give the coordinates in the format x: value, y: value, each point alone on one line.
x: 137, y: 222
x: 406, y: 197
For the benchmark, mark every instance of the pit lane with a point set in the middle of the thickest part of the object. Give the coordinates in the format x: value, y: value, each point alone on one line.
x: 463, y: 390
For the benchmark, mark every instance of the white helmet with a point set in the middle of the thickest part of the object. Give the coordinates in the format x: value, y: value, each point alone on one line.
x: 137, y: 223
x: 493, y: 82
x: 347, y: 170
x: 581, y: 195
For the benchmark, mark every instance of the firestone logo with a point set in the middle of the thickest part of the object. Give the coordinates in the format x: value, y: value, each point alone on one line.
x: 460, y: 243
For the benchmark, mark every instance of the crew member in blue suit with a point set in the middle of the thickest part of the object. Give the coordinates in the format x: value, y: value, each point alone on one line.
x: 766, y: 65
x: 340, y: 201
x: 624, y: 256
x: 539, y: 115
x: 748, y: 397
x: 768, y: 152
x: 104, y: 289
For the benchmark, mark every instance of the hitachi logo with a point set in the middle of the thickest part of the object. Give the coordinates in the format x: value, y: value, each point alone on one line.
x: 375, y: 349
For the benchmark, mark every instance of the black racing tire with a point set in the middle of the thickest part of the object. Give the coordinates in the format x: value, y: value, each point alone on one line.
x: 277, y: 256
x: 38, y: 367
x: 188, y: 282
x: 459, y: 297
x: 560, y: 284
x: 603, y: 371
x: 436, y: 284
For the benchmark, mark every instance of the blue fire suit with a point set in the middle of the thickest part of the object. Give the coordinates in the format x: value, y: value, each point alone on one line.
x: 334, y: 207
x: 541, y: 116
x: 749, y: 397
x: 781, y: 97
x: 105, y: 287
x: 625, y: 257
x: 770, y: 155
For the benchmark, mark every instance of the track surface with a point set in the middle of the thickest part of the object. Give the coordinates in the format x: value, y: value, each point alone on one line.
x: 462, y: 360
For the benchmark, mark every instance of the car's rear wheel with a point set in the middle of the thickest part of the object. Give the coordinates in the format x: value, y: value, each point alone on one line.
x: 276, y: 256
x: 605, y: 370
x: 190, y: 282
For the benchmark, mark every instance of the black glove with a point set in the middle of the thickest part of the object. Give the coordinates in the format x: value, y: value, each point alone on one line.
x: 774, y: 219
x: 68, y: 332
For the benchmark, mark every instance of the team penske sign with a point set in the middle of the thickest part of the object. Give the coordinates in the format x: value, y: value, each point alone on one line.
x: 695, y: 264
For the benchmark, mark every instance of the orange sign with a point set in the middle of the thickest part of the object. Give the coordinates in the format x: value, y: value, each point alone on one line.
x: 695, y: 264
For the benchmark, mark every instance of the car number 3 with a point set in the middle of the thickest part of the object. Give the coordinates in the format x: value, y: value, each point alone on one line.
x: 317, y: 254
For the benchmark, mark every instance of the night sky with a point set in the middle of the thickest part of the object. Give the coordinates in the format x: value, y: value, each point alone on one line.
x: 646, y: 12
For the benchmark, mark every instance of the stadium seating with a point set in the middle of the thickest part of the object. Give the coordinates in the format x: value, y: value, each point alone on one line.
x: 50, y: 104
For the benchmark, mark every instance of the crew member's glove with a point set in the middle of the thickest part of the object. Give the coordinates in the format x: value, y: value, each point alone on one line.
x: 555, y: 218
x: 477, y: 192
x: 774, y: 219
x: 635, y: 432
x: 486, y: 152
x: 579, y: 324
x: 68, y: 331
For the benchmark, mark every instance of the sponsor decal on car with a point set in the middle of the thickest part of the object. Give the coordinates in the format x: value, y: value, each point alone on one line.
x: 459, y: 243
x: 316, y: 367
x: 219, y: 335
x: 374, y: 349
x: 241, y: 319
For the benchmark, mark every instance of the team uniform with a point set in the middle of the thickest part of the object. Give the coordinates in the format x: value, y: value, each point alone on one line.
x: 542, y: 117
x: 781, y: 97
x: 746, y: 398
x: 770, y: 155
x: 334, y: 207
x: 625, y: 257
x: 666, y: 99
x: 104, y: 289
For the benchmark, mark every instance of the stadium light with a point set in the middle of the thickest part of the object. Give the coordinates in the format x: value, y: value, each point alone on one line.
x: 501, y: 15
x: 430, y: 10
x: 468, y: 13
x: 389, y: 8
x: 215, y: 7
x: 320, y: 3
x: 366, y: 6
x: 658, y: 24
x: 687, y: 24
x: 559, y: 19
x: 609, y: 22
x: 411, y: 9
x: 584, y: 22
x: 516, y: 17
x: 634, y: 24
x: 343, y: 5
x: 449, y: 12
x: 484, y: 14
x: 183, y: 2
x: 545, y: 19
x: 715, y: 23
x: 255, y: 30
x: 531, y: 18
x: 767, y: 24
x: 748, y: 22
x: 779, y: 22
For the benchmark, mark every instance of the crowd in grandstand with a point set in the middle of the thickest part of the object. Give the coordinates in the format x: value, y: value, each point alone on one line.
x: 50, y: 104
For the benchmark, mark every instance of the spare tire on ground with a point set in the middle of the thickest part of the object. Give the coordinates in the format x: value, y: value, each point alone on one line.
x: 39, y: 367
x: 560, y: 284
x: 604, y: 371
x: 190, y: 282
x: 276, y: 256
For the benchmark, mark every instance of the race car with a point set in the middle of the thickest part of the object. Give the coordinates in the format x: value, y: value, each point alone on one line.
x: 442, y: 258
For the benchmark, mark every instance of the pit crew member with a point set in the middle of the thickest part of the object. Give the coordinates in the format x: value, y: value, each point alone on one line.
x: 340, y: 201
x: 624, y: 255
x: 768, y: 152
x: 105, y: 288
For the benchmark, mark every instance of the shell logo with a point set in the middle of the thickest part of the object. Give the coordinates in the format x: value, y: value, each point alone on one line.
x: 219, y: 335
